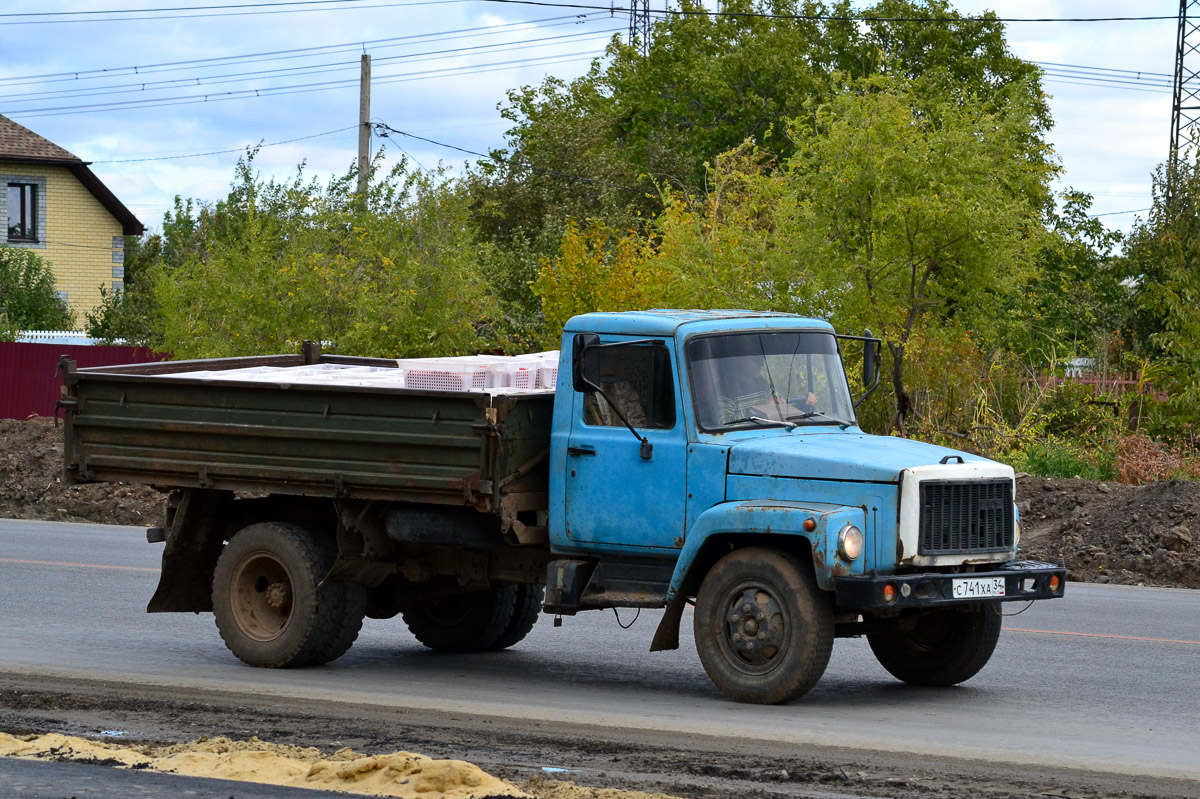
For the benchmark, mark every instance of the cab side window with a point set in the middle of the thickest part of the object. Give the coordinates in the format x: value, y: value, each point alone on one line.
x: 637, y: 379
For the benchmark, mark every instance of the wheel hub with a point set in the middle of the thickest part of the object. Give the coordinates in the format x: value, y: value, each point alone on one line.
x: 756, y: 628
x: 278, y: 595
x: 262, y: 597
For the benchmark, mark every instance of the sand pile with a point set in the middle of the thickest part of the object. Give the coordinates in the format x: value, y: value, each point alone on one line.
x: 399, y: 774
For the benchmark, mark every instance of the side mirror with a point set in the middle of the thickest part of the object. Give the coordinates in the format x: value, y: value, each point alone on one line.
x: 583, y: 378
x: 870, y: 358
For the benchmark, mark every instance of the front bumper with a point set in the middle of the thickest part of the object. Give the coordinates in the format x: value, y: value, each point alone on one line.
x: 1023, y: 581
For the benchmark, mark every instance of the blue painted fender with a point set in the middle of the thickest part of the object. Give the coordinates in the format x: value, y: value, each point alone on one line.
x: 769, y: 518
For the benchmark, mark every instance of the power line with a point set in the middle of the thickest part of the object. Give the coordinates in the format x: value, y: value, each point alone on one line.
x: 299, y: 6
x: 274, y: 55
x: 310, y: 69
x: 175, y: 8
x: 1119, y: 213
x: 302, y: 88
x: 829, y: 17
x: 223, y: 152
x: 1104, y: 69
x: 816, y: 17
x: 229, y: 14
x: 384, y: 131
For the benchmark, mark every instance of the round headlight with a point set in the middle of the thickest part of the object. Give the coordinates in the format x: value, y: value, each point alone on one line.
x: 1016, y: 534
x: 850, y: 542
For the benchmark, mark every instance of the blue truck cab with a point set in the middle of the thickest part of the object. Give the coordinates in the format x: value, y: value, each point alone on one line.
x: 714, y: 458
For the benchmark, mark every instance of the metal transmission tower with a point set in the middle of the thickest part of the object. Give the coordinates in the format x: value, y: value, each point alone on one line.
x: 639, y: 23
x: 1185, y: 110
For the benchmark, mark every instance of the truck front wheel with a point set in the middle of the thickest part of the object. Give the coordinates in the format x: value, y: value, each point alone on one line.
x: 939, y: 647
x: 271, y: 607
x: 764, y: 631
x: 462, y: 622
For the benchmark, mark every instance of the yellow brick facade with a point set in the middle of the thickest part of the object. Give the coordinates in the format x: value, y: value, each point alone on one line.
x: 79, y: 235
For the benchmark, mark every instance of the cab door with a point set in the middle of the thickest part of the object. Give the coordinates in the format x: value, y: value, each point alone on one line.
x: 616, y: 499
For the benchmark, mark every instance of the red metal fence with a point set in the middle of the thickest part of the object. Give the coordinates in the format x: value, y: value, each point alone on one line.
x: 1115, y: 384
x: 28, y: 383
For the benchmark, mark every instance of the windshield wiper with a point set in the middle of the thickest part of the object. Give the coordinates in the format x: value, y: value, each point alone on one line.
x: 842, y: 422
x: 761, y: 420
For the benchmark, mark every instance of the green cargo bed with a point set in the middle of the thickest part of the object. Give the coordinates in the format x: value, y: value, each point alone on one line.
x: 156, y: 424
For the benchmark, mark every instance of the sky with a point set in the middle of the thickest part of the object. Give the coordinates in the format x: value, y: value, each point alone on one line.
x: 132, y: 90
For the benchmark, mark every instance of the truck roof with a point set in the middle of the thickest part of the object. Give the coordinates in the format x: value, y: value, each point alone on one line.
x: 666, y: 322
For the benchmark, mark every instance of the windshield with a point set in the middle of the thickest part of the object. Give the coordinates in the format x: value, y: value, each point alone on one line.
x: 742, y: 380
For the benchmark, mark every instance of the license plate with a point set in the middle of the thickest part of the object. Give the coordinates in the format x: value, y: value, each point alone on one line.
x: 978, y: 587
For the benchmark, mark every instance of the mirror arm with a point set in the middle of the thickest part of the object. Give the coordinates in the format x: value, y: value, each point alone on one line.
x: 647, y: 448
x: 877, y: 356
x: 869, y: 391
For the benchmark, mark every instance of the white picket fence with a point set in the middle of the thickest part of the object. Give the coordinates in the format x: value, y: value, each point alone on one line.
x: 57, y: 337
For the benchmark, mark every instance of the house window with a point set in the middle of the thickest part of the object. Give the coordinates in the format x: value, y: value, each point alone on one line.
x: 22, y: 212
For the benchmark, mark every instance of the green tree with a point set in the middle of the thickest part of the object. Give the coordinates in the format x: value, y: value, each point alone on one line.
x: 27, y: 296
x: 277, y: 262
x: 607, y: 146
x: 1077, y: 300
x: 1163, y: 255
x: 916, y: 211
x: 894, y: 212
x: 129, y: 315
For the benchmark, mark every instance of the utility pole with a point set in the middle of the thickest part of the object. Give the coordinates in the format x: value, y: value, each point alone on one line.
x: 639, y: 23
x: 364, y: 126
x: 1185, y: 108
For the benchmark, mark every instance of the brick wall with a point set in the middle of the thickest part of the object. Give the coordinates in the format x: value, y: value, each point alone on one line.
x: 82, y: 241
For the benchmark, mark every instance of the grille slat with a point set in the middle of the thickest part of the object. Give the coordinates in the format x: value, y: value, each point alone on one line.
x: 964, y: 516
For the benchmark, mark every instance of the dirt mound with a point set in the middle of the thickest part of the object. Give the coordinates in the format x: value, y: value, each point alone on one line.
x: 31, y: 487
x: 1114, y: 533
x: 1106, y: 532
x: 400, y: 774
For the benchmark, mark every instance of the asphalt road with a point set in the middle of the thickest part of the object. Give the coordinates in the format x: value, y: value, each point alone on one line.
x: 1106, y: 680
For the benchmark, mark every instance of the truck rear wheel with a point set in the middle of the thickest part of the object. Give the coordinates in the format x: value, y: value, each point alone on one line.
x: 351, y: 609
x: 469, y: 621
x: 526, y: 609
x: 940, y: 647
x: 270, y: 606
x: 764, y: 631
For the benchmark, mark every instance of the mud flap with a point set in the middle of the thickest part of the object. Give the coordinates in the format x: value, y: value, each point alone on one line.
x: 666, y: 637
x: 194, y: 542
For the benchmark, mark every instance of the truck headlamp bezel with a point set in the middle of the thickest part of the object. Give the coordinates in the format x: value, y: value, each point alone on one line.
x: 850, y: 543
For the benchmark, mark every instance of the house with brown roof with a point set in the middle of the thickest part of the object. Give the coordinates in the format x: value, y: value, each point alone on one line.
x: 52, y: 203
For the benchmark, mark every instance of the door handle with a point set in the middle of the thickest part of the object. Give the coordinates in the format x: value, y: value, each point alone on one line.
x: 581, y: 450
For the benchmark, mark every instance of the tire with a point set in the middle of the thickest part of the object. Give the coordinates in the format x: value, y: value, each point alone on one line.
x: 938, y: 648
x: 463, y: 622
x: 750, y: 661
x: 351, y: 609
x: 266, y: 600
x: 526, y: 609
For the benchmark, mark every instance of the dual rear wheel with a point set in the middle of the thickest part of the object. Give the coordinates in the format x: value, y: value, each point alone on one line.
x: 272, y: 604
x: 275, y: 608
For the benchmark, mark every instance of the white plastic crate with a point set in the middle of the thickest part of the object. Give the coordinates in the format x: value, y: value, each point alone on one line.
x: 449, y: 376
x: 523, y: 373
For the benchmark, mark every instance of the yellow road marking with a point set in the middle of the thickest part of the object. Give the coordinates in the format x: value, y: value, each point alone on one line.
x: 1103, y: 635
x: 77, y: 565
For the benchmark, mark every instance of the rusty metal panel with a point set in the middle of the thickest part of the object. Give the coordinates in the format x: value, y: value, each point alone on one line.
x: 335, y: 441
x: 29, y: 384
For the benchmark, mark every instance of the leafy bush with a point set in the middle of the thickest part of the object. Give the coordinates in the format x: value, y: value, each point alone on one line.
x: 392, y: 274
x: 1056, y: 458
x: 27, y: 298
